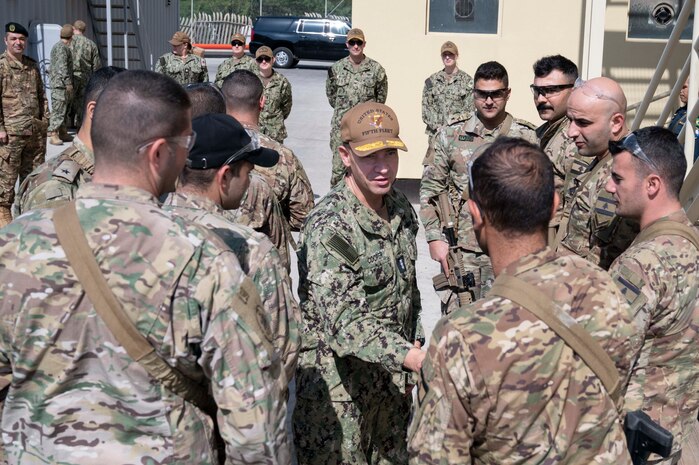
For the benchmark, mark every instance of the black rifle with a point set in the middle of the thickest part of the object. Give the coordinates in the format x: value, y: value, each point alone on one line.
x: 644, y: 436
x: 457, y: 279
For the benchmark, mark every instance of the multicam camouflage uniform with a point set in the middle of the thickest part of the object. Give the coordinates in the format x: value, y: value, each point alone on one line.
x: 73, y: 382
x: 86, y: 60
x: 261, y: 262
x: 289, y: 181
x: 231, y: 64
x: 277, y: 92
x: 446, y: 169
x: 57, y: 180
x: 261, y: 211
x: 499, y: 386
x: 444, y: 97
x: 593, y: 230
x: 61, y: 85
x: 24, y: 117
x: 347, y: 87
x: 191, y: 69
x: 567, y: 163
x: 659, y: 278
x: 361, y: 310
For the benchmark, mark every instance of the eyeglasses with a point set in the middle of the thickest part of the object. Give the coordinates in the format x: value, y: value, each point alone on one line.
x: 356, y: 42
x: 264, y: 58
x: 493, y: 94
x: 630, y: 144
x: 186, y: 142
x: 547, y: 91
x: 237, y: 43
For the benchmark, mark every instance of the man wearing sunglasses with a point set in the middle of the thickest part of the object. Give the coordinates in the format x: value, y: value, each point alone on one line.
x: 447, y: 92
x: 179, y: 289
x: 554, y: 78
x: 277, y: 92
x: 590, y: 226
x: 239, y: 60
x: 444, y: 170
x: 658, y: 275
x: 351, y: 81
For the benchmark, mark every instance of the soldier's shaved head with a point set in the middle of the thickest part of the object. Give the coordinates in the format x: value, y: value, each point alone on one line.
x: 242, y: 91
x: 605, y: 89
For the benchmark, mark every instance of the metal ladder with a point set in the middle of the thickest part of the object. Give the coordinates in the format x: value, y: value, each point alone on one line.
x: 118, y: 32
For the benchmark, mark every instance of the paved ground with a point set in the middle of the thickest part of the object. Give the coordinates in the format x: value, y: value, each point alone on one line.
x: 309, y: 128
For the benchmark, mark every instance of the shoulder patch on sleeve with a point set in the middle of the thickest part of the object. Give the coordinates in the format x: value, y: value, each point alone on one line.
x: 344, y: 249
x: 67, y: 170
x: 526, y: 123
x: 428, y: 83
x: 629, y: 284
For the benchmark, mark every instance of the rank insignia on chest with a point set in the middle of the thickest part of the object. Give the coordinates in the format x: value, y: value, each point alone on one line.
x: 465, y: 138
x: 400, y: 261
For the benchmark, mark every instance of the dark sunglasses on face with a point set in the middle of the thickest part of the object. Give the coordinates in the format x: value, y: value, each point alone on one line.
x: 493, y: 94
x: 630, y: 144
x: 237, y: 43
x: 356, y: 42
x: 549, y: 90
x: 265, y: 59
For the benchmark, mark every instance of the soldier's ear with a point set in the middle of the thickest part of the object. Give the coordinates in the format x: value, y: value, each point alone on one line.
x: 556, y: 202
x: 653, y: 184
x: 345, y: 155
x: 90, y: 109
x: 476, y: 214
x: 263, y: 99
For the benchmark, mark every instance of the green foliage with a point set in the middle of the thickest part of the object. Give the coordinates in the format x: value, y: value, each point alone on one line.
x: 269, y: 7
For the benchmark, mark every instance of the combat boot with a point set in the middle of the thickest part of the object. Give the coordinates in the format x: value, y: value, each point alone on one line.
x: 63, y: 135
x: 54, y: 139
x: 5, y: 216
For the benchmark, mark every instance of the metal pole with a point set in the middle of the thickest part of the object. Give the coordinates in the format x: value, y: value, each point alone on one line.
x: 326, y: 9
x: 662, y: 63
x: 126, y: 38
x: 110, y: 58
x: 260, y: 7
x: 593, y: 45
x: 692, y: 106
x: 670, y: 104
x: 191, y: 11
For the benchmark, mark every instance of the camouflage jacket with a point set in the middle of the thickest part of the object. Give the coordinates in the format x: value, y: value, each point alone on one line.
x: 61, y: 66
x: 444, y: 97
x: 86, y: 57
x: 594, y: 231
x: 23, y: 104
x: 261, y: 262
x: 190, y: 70
x: 231, y: 64
x: 277, y: 107
x: 56, y: 181
x: 359, y: 297
x: 659, y: 278
x: 348, y: 86
x: 261, y: 211
x: 499, y: 386
x: 73, y: 382
x: 446, y: 169
x: 289, y: 181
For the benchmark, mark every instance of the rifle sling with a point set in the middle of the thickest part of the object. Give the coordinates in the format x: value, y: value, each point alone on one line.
x: 574, y: 335
x: 666, y: 227
x: 72, y: 238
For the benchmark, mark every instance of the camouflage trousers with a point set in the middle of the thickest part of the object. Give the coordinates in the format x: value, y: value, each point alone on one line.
x: 18, y: 158
x: 75, y: 114
x: 338, y: 169
x: 478, y: 264
x: 353, y: 433
x: 690, y: 448
x: 60, y: 103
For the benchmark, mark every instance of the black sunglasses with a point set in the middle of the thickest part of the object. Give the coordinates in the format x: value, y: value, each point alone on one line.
x: 549, y: 90
x: 237, y: 43
x: 493, y: 94
x: 630, y: 144
x: 354, y: 42
x: 265, y: 59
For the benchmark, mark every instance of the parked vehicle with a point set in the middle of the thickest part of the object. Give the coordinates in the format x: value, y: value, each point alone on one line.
x: 294, y: 38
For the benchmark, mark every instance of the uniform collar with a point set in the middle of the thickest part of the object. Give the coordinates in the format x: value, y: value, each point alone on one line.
x: 97, y: 191
x: 368, y: 219
x: 193, y: 201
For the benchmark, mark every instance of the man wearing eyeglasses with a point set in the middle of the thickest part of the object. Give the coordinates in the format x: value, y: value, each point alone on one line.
x: 658, y: 276
x: 351, y: 81
x: 445, y: 170
x: 239, y: 60
x: 590, y: 226
x: 554, y: 78
x: 179, y: 289
x: 277, y: 92
x: 360, y: 304
x: 55, y: 181
x: 446, y: 93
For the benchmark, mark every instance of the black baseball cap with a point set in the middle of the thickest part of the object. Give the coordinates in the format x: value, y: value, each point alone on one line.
x: 222, y: 140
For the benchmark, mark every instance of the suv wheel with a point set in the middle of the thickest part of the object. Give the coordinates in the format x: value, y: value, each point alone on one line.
x: 283, y: 58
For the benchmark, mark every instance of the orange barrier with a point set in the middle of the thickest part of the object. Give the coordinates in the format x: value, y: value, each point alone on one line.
x: 216, y: 46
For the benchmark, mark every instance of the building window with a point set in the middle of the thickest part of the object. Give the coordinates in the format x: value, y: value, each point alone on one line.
x: 467, y: 16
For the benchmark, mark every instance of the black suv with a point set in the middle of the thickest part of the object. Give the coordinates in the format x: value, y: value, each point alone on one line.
x: 294, y: 38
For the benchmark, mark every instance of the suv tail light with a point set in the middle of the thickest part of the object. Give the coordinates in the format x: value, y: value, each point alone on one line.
x: 252, y: 34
